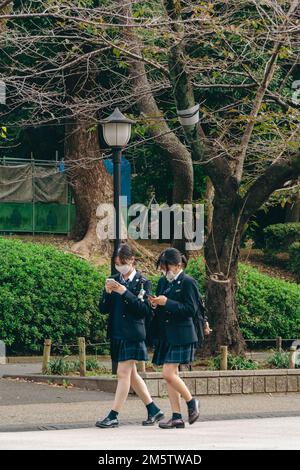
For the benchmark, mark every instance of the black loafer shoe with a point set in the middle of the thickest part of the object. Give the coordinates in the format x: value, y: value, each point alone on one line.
x: 194, y: 412
x: 107, y: 423
x: 152, y: 419
x: 172, y: 423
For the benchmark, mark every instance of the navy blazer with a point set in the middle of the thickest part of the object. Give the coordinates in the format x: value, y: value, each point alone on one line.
x: 135, y: 311
x: 174, y: 321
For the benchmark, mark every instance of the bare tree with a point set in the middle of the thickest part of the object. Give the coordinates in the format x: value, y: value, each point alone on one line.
x: 237, y: 59
x: 225, y: 163
x: 61, y: 85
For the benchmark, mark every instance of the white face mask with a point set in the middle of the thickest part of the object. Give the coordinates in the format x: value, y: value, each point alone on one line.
x: 170, y: 276
x: 123, y: 269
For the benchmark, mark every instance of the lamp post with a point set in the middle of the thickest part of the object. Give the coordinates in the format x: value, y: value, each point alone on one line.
x: 116, y: 133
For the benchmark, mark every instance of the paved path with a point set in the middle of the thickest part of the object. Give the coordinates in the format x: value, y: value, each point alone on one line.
x: 272, y: 433
x: 30, y: 406
x: 34, y: 368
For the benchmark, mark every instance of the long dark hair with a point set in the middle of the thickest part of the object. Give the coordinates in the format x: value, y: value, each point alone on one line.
x: 124, y: 253
x: 171, y: 256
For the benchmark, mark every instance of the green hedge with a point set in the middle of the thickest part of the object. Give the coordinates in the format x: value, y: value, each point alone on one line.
x: 279, y: 237
x: 294, y: 258
x: 267, y: 307
x: 45, y: 293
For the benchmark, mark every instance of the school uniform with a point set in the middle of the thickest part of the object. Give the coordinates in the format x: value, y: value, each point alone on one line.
x: 172, y: 329
x: 126, y: 321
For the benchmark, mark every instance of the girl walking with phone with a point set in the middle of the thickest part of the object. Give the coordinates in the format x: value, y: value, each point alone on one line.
x: 125, y: 299
x: 175, y: 305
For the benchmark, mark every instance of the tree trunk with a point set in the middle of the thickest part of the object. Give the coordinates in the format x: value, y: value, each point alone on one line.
x: 221, y: 257
x: 209, y: 203
x: 90, y: 182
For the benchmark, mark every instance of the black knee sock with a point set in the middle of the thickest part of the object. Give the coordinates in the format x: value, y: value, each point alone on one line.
x: 112, y: 414
x: 176, y: 416
x: 152, y: 408
x: 191, y: 403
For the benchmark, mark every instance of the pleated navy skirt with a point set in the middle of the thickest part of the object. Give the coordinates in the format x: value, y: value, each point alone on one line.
x: 165, y: 353
x: 123, y: 350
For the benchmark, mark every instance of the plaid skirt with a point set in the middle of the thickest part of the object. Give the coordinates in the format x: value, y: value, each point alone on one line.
x: 166, y: 353
x: 123, y: 350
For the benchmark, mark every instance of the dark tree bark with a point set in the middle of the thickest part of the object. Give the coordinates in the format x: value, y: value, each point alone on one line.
x: 209, y: 196
x: 292, y: 213
x: 90, y: 182
x: 221, y: 257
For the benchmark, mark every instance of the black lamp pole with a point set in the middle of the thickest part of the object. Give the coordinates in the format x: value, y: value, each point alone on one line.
x: 116, y: 133
x: 117, y: 155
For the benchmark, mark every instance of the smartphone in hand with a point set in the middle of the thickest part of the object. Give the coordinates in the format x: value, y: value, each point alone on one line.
x: 110, y: 283
x: 151, y: 299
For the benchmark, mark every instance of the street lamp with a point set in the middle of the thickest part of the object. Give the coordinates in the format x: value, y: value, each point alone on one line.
x: 116, y: 133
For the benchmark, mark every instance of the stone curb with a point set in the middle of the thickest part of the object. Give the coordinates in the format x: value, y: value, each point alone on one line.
x: 200, y: 383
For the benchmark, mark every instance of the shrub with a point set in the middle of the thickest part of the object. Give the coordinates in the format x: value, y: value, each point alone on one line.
x: 294, y: 258
x: 45, y: 293
x: 279, y: 360
x: 92, y: 364
x: 282, y: 360
x: 267, y: 307
x: 61, y: 366
x: 279, y: 237
x: 234, y: 363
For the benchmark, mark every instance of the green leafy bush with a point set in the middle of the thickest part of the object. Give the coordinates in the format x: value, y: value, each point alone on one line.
x: 45, y: 293
x: 294, y: 258
x: 92, y: 364
x: 279, y: 237
x: 279, y: 360
x: 234, y: 363
x: 61, y: 366
x: 267, y: 307
x: 282, y: 361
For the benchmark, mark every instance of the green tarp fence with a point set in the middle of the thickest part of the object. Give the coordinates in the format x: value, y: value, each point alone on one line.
x: 26, y: 183
x: 34, y: 199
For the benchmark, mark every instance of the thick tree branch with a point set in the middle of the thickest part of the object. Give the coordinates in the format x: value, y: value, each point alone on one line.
x: 278, y: 173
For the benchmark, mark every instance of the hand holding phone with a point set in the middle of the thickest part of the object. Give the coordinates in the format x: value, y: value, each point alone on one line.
x: 158, y: 300
x: 110, y: 283
x: 151, y: 299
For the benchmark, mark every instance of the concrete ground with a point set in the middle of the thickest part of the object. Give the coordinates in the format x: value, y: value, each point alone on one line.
x: 271, y: 434
x: 41, y: 416
x: 35, y: 368
x: 31, y: 406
